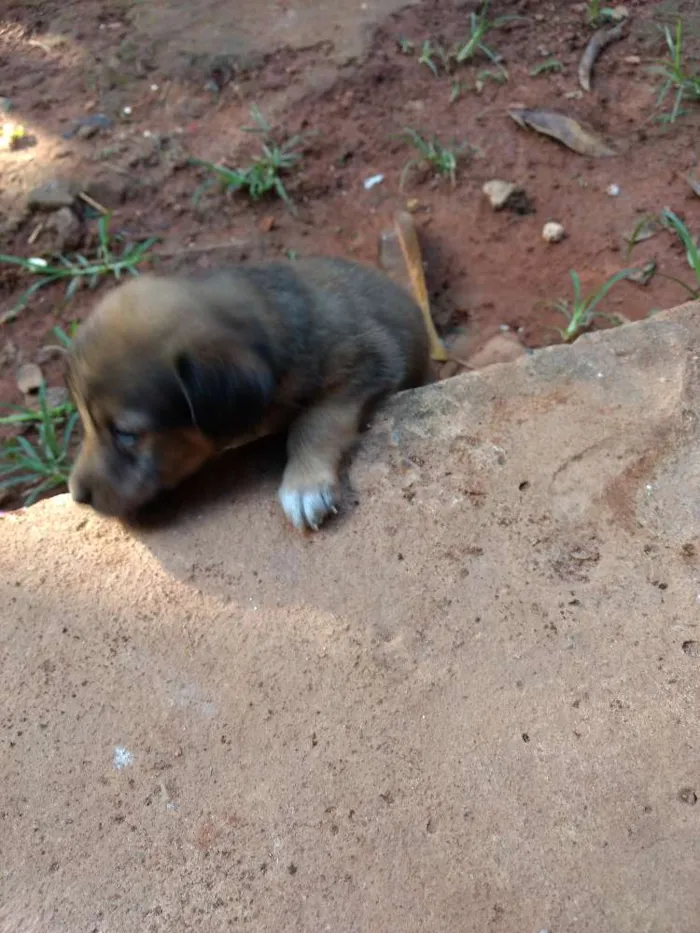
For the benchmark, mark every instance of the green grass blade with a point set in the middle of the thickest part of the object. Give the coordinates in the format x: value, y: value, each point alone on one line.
x: 591, y: 302
x: 577, y: 286
x: 68, y: 432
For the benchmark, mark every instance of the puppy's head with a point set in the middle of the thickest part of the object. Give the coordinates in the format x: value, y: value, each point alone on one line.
x: 161, y: 376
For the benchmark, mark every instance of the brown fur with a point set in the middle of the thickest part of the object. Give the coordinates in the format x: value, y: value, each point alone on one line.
x: 167, y: 372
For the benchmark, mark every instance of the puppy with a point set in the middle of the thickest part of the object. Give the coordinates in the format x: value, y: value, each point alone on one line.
x: 168, y: 372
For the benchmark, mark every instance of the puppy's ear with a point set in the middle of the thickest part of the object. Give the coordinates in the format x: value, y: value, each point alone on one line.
x: 225, y: 398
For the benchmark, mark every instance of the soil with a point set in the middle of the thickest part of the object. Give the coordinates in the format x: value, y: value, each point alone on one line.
x: 487, y: 271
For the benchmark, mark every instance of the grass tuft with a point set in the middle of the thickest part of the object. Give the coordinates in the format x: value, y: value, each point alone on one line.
x: 432, y: 154
x: 672, y: 222
x: 44, y: 464
x: 77, y: 269
x: 677, y: 77
x: 429, y: 51
x: 479, y: 27
x: 581, y: 312
x: 264, y: 174
x: 548, y: 66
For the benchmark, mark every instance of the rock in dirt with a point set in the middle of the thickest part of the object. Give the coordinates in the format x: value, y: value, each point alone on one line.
x: 52, y: 195
x: 8, y: 355
x: 54, y: 395
x: 553, y: 232
x: 89, y: 126
x: 503, y: 348
x: 29, y: 379
x: 109, y: 190
x: 449, y: 369
x: 619, y: 13
x: 499, y: 192
x: 65, y: 230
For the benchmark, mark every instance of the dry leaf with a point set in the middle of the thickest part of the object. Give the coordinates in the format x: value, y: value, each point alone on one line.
x: 564, y: 129
x: 599, y: 40
x: 642, y: 275
x: 400, y: 257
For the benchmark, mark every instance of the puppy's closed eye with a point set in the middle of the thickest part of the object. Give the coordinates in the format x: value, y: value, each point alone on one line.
x: 125, y: 440
x: 225, y: 399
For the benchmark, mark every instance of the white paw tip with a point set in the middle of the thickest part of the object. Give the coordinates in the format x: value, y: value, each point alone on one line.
x: 308, y: 508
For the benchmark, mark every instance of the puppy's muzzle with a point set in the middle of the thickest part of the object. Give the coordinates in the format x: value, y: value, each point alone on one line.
x: 80, y: 490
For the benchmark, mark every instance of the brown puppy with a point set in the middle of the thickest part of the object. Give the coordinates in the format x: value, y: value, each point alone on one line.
x: 168, y: 372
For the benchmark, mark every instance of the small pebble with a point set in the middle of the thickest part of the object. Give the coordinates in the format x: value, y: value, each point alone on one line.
x: 126, y: 111
x: 632, y: 60
x: 499, y: 192
x: 553, y: 232
x: 154, y: 87
x: 29, y: 378
x: 618, y: 13
x: 613, y: 190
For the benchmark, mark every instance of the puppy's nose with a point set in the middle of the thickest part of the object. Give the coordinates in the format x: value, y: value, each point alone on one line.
x: 81, y: 493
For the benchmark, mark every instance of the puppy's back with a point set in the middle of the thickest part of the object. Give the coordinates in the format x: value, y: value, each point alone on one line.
x: 354, y: 318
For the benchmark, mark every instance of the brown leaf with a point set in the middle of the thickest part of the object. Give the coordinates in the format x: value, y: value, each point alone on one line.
x: 642, y: 275
x: 400, y: 257
x: 564, y: 129
x: 410, y: 247
x: 599, y: 40
x: 694, y: 184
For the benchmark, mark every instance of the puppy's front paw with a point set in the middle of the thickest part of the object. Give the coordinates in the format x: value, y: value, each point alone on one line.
x: 308, y: 506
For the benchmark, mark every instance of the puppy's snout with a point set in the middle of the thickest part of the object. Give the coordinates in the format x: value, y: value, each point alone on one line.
x: 80, y: 491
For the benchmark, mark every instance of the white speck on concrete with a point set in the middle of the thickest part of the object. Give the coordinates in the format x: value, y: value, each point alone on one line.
x: 122, y: 758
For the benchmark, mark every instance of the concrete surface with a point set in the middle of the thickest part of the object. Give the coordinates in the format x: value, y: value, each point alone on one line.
x: 471, y: 704
x: 247, y: 31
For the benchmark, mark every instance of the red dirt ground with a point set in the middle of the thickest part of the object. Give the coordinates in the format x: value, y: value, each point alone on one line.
x: 486, y: 270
